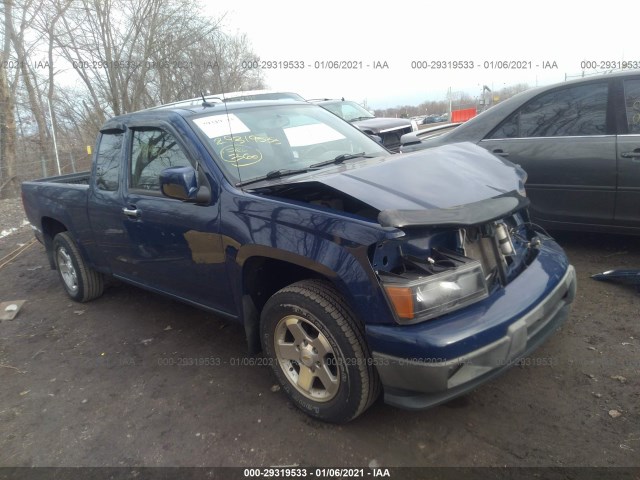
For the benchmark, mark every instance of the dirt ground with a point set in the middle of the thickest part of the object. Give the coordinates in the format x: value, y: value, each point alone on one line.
x: 109, y: 383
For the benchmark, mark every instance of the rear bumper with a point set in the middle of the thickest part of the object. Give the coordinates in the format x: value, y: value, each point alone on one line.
x: 417, y: 383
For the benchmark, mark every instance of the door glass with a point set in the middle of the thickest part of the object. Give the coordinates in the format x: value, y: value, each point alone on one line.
x: 632, y: 104
x: 108, y: 162
x: 574, y: 111
x: 152, y: 151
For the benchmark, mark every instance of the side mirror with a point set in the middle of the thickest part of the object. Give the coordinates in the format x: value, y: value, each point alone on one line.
x: 182, y: 183
x: 409, y: 139
x: 410, y: 142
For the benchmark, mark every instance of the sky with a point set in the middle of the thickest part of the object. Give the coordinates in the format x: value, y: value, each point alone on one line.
x: 409, y: 36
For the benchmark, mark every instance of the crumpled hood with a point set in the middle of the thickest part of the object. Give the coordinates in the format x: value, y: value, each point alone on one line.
x: 441, y: 177
x: 381, y: 125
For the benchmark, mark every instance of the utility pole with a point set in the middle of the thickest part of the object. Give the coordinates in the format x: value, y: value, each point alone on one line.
x: 55, y: 144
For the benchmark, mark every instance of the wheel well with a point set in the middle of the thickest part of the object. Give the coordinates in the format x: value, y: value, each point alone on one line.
x: 50, y: 228
x: 262, y: 277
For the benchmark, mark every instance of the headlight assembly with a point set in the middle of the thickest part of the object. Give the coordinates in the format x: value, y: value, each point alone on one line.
x: 435, y: 295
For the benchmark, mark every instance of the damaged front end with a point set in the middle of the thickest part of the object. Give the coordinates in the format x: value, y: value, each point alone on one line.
x: 451, y: 258
x: 471, y: 294
x: 470, y: 285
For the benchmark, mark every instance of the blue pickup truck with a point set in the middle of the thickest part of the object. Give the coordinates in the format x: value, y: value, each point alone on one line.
x: 354, y: 271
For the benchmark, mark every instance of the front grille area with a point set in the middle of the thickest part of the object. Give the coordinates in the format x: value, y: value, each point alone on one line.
x: 481, y: 243
x: 481, y: 248
x: 417, y: 256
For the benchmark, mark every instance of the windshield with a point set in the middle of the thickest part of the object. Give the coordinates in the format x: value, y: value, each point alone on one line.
x: 349, y: 111
x: 251, y: 142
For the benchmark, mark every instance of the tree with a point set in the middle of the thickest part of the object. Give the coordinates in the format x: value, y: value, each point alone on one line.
x: 28, y: 76
x: 7, y: 115
x: 133, y: 55
x: 103, y: 58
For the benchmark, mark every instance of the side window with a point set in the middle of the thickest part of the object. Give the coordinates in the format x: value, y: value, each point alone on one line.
x: 508, y: 128
x: 152, y: 151
x: 573, y: 111
x: 108, y: 162
x: 632, y: 105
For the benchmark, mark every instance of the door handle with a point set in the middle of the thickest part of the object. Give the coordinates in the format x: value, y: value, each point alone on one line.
x: 131, y: 212
x: 634, y: 154
x: 499, y: 151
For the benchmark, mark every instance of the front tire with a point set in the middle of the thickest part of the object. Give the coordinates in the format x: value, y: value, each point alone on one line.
x: 317, y: 351
x: 80, y: 281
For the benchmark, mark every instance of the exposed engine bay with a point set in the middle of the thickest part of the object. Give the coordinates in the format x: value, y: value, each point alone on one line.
x: 503, y: 248
x: 319, y: 194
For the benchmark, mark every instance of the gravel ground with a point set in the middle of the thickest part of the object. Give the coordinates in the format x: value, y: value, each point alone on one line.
x: 12, y: 216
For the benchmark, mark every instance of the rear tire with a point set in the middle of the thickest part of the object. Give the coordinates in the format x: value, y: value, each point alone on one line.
x: 317, y: 351
x: 81, y: 282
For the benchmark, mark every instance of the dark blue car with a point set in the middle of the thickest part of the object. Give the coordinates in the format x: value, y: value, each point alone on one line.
x: 353, y: 270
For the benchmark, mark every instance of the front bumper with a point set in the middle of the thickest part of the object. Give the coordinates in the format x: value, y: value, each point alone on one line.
x: 417, y: 383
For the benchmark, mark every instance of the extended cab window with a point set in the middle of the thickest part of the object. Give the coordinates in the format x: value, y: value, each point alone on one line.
x: 152, y: 151
x: 575, y: 111
x: 632, y: 104
x: 108, y: 162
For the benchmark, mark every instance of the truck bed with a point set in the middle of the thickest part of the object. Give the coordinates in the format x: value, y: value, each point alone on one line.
x: 59, y: 203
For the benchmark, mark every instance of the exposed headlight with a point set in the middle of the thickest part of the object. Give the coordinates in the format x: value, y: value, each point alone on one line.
x: 414, y: 126
x: 438, y: 294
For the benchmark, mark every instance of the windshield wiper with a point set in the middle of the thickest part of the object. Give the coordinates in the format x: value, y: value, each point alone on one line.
x: 283, y: 172
x: 341, y: 158
x: 357, y: 119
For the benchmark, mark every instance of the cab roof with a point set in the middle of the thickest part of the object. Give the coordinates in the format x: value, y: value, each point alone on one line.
x: 187, y: 110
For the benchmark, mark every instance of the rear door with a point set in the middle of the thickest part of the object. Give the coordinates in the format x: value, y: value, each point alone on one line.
x: 565, y: 140
x: 628, y: 199
x: 105, y: 200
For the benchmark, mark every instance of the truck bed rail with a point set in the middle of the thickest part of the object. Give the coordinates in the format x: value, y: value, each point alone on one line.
x: 81, y: 178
